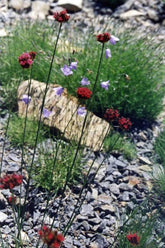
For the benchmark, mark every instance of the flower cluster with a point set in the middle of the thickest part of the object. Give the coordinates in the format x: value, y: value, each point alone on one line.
x: 26, y: 59
x: 111, y: 115
x: 125, y: 123
x: 26, y: 99
x: 81, y: 111
x: 32, y: 55
x: 83, y: 93
x: 103, y: 37
x: 61, y: 16
x: 105, y: 85
x: 67, y: 70
x: 12, y: 199
x: 10, y: 181
x: 52, y: 238
x: 133, y: 239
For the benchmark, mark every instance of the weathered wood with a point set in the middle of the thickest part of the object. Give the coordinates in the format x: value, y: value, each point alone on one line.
x: 64, y: 114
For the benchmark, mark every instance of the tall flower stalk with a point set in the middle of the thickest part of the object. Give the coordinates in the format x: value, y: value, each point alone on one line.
x: 63, y: 16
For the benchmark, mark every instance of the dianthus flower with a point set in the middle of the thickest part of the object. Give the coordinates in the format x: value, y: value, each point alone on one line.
x: 10, y: 181
x: 32, y: 55
x: 83, y: 93
x: 103, y: 37
x: 52, y: 238
x: 133, y: 239
x: 124, y: 123
x: 111, y: 114
x: 25, y: 60
x: 12, y: 199
x: 61, y: 16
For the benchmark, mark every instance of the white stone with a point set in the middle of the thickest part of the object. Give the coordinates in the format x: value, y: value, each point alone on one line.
x: 144, y: 160
x: 3, y: 217
x: 26, y: 4
x: 131, y: 13
x: 71, y: 5
x: 3, y: 33
x: 153, y: 15
x: 24, y: 237
x: 39, y: 10
x: 16, y: 4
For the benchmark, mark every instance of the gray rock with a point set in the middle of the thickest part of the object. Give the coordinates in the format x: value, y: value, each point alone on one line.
x: 71, y: 5
x: 114, y: 188
x: 86, y: 209
x: 3, y: 217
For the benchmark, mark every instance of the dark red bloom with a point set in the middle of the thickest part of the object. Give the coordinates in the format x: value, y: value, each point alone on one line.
x: 133, y: 238
x: 32, y: 55
x: 111, y: 114
x: 61, y: 16
x: 124, y: 123
x: 84, y: 93
x: 12, y: 199
x: 25, y: 60
x: 52, y: 238
x: 103, y: 37
x: 10, y: 181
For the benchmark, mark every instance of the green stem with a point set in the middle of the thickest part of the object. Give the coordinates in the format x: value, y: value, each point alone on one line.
x: 39, y: 123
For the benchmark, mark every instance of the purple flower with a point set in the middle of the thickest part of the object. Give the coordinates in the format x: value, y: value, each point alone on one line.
x: 58, y: 90
x: 66, y: 70
x: 108, y: 53
x: 73, y: 65
x: 105, y: 85
x: 113, y: 39
x: 85, y: 81
x: 46, y: 113
x: 26, y: 99
x: 81, y: 111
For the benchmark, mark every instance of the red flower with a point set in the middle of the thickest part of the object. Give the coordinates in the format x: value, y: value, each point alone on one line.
x: 52, y: 238
x: 124, y: 123
x: 61, y: 16
x: 25, y: 60
x: 32, y: 55
x: 111, y: 114
x: 83, y: 93
x: 12, y: 199
x: 103, y: 37
x: 133, y: 238
x: 10, y: 181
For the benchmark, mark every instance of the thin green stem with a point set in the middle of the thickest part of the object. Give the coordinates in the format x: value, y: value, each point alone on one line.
x: 39, y: 123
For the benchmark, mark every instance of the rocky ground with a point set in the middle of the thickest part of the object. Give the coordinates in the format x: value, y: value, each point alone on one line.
x: 120, y: 185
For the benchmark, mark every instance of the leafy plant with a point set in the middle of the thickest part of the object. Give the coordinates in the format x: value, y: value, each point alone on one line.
x: 50, y: 171
x: 16, y: 129
x: 141, y: 221
x: 120, y: 144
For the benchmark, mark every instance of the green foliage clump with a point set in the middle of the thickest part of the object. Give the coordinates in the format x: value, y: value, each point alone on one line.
x: 116, y: 142
x: 143, y: 222
x: 53, y: 167
x: 159, y: 148
x: 138, y: 97
x: 15, y: 131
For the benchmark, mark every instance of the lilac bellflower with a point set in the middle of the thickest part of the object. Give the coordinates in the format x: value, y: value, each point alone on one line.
x: 85, y: 81
x: 113, y: 39
x: 81, y: 111
x: 73, y: 65
x: 105, y: 85
x: 66, y: 70
x: 108, y: 53
x: 58, y: 90
x: 26, y: 99
x: 46, y: 113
